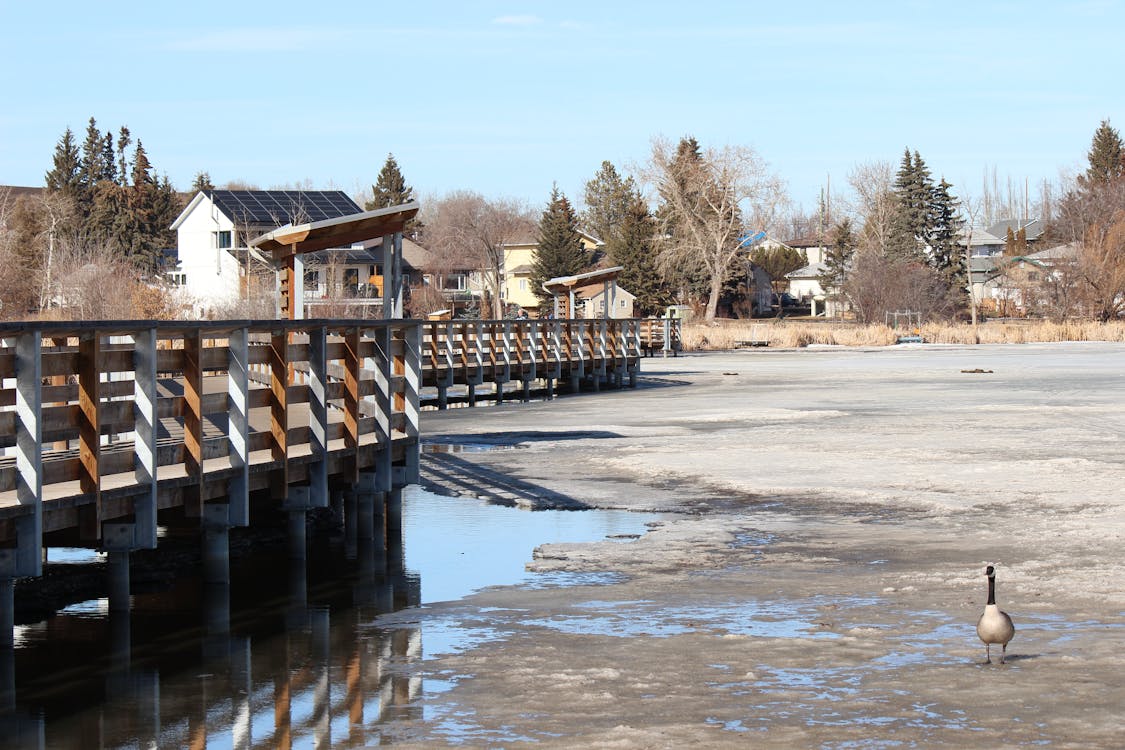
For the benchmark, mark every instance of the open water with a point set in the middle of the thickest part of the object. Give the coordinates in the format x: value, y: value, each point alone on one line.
x: 287, y: 655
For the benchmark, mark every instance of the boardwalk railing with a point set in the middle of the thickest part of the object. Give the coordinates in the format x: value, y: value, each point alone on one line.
x: 104, y: 424
x: 471, y: 353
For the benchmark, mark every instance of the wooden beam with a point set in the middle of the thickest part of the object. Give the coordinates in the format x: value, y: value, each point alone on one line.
x: 89, y: 424
x: 193, y: 422
x: 279, y: 409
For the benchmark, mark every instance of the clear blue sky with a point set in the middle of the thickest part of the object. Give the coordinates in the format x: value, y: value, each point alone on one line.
x: 507, y: 98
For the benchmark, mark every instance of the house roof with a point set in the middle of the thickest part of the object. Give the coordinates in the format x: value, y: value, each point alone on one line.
x: 278, y: 207
x: 273, y: 208
x: 1032, y: 229
x: 809, y: 240
x: 811, y: 271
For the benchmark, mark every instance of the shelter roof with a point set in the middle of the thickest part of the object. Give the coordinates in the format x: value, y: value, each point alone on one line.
x: 561, y: 284
x: 341, y: 231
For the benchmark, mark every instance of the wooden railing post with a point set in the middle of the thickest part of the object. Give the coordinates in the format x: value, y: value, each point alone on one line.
x: 193, y: 421
x: 145, y: 426
x: 279, y: 410
x: 89, y: 430
x: 318, y: 416
x: 29, y: 454
x: 352, y: 363
x: 238, y: 421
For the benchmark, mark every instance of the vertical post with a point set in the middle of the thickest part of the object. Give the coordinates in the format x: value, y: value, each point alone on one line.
x: 29, y: 455
x: 193, y: 421
x: 318, y: 416
x: 238, y: 425
x: 279, y: 410
x: 351, y: 396
x: 383, y: 371
x: 89, y: 426
x: 297, y: 287
x: 392, y: 275
x: 412, y: 370
x: 145, y: 428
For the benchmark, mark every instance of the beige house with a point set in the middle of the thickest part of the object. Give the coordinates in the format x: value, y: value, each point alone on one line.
x: 519, y: 260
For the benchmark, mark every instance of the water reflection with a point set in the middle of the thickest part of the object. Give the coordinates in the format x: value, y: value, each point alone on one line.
x: 285, y: 655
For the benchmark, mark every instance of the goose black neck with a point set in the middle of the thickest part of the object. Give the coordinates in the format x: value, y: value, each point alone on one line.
x: 991, y: 590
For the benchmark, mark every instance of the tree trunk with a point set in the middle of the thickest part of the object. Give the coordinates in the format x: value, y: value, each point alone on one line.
x: 713, y: 297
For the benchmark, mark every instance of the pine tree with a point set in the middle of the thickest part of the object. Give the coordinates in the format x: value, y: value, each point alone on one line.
x: 633, y: 246
x: 608, y: 199
x: 123, y: 141
x: 202, y: 182
x: 94, y: 167
x: 391, y: 188
x: 65, y: 177
x: 1106, y: 156
x: 838, y: 259
x: 1010, y: 243
x: 944, y: 230
x: 913, y: 189
x: 560, y: 251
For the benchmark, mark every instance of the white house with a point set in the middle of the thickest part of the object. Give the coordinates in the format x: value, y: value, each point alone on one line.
x: 212, y: 232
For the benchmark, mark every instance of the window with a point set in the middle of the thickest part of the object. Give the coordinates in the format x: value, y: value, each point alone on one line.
x: 222, y: 239
x: 523, y: 285
x: 177, y: 278
x: 455, y: 282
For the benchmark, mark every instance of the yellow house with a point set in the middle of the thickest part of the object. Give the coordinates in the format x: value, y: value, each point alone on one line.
x: 519, y: 258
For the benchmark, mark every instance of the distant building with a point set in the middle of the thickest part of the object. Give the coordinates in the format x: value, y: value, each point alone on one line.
x: 215, y: 267
x: 519, y: 260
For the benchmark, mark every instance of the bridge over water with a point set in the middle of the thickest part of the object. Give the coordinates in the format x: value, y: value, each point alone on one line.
x: 110, y: 429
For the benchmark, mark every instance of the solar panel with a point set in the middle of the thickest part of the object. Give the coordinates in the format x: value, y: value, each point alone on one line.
x: 279, y: 207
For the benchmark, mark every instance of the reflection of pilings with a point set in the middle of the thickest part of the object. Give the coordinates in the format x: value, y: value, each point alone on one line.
x: 7, y: 681
x: 321, y: 660
x: 297, y: 504
x: 296, y: 614
x: 242, y: 689
x: 120, y: 648
x: 350, y: 521
x: 216, y: 614
x: 7, y: 612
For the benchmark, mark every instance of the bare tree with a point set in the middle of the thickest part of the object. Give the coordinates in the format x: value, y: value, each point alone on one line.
x: 874, y: 203
x: 708, y: 203
x: 879, y: 284
x: 1092, y: 218
x: 465, y: 229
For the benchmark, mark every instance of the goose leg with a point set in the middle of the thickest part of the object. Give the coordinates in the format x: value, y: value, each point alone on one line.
x: 1003, y: 652
x: 987, y: 653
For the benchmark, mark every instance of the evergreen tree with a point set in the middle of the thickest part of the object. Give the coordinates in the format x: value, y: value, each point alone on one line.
x: 689, y: 276
x: 609, y: 199
x: 1106, y: 156
x: 1009, y: 243
x: 913, y: 189
x: 65, y: 177
x: 560, y: 251
x: 94, y: 167
x: 944, y: 230
x: 391, y: 188
x: 633, y: 246
x: 123, y: 141
x: 838, y: 259
x: 202, y: 182
x: 779, y: 261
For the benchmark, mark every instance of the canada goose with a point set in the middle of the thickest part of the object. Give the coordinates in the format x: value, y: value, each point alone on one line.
x: 994, y: 626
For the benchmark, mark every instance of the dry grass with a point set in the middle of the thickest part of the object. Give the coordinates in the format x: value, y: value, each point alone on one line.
x: 726, y: 334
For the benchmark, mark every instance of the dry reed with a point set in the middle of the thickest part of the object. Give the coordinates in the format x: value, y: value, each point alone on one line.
x: 731, y: 334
